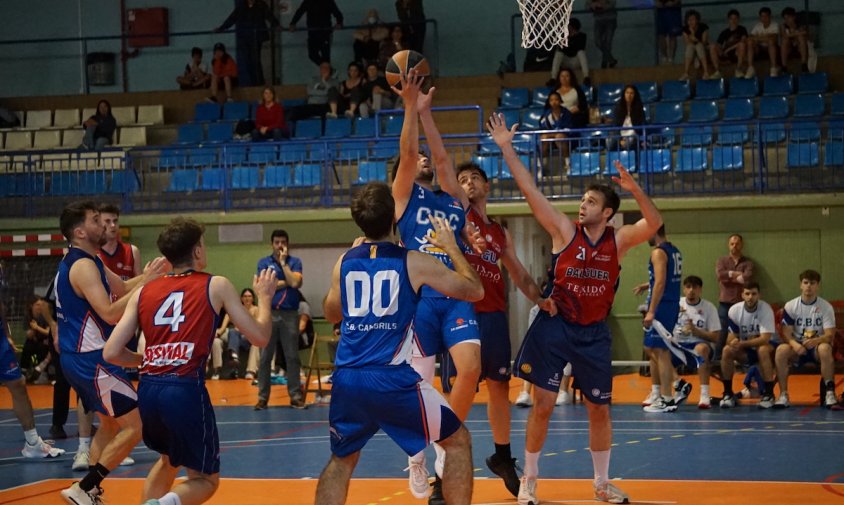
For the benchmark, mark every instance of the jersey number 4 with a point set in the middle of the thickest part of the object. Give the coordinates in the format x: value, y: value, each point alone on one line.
x: 170, y: 312
x: 365, y: 293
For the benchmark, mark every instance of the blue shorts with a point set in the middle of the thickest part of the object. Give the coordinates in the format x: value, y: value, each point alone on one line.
x: 669, y: 22
x: 179, y: 421
x: 495, y: 351
x: 441, y: 323
x: 693, y: 361
x: 811, y: 356
x: 101, y: 386
x: 553, y: 342
x: 391, y: 398
x: 667, y: 314
x: 10, y: 370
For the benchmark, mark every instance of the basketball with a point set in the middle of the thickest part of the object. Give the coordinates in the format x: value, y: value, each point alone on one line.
x: 402, y: 62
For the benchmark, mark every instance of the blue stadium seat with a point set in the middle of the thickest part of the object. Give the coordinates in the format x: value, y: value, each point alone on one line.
x: 656, y: 161
x: 512, y: 116
x: 709, y: 89
x: 816, y: 82
x: 371, y: 171
x: 364, y: 127
x: 836, y: 107
x: 124, y: 181
x: 692, y: 159
x: 262, y: 153
x: 538, y: 97
x: 206, y: 111
x: 490, y: 163
x: 627, y: 158
x: 585, y: 163
x: 675, y: 91
x: 588, y: 92
x: 392, y: 124
x: 703, y: 111
x: 609, y: 93
x: 530, y: 119
x: 308, y: 128
x: 834, y: 153
x: 213, y: 179
x: 293, y: 153
x: 338, y: 127
x: 727, y: 158
x: 293, y: 102
x: 170, y: 158
x: 191, y: 133
x: 729, y: 134
x: 220, y: 132
x: 352, y: 151
x: 696, y: 136
x: 488, y: 146
x: 202, y: 156
x: 805, y: 131
x: 663, y: 137
x: 803, y: 155
x: 184, y: 179
x: 307, y: 174
x: 773, y: 133
x: 668, y: 113
x: 235, y: 111
x: 276, y: 176
x: 835, y: 129
x: 738, y: 109
x: 773, y: 107
x: 515, y: 98
x: 648, y: 91
x: 744, y: 88
x: 809, y: 105
x: 607, y: 112
x: 64, y: 183
x: 245, y: 177
x: 92, y: 182
x: 233, y: 155
x: 781, y: 85
x: 384, y: 150
x: 319, y: 152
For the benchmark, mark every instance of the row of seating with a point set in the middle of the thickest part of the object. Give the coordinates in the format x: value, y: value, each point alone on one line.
x: 94, y: 182
x: 233, y: 111
x: 22, y: 140
x: 223, y: 131
x: 70, y: 118
x: 269, y: 153
x: 67, y: 160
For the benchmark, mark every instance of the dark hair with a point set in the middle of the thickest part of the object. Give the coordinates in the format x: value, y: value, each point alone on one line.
x: 636, y: 109
x: 789, y: 11
x: 751, y: 285
x: 279, y: 233
x: 574, y: 22
x: 107, y: 104
x: 580, y: 119
x: 548, y: 100
x: 177, y: 240
x: 611, y: 198
x: 271, y: 91
x: 219, y: 46
x: 690, y: 13
x: 765, y: 10
x: 357, y: 65
x: 398, y: 162
x: 373, y: 210
x: 693, y: 280
x: 472, y: 167
x: 810, y: 275
x: 249, y: 290
x: 73, y: 215
x: 733, y: 12
x: 661, y: 231
x: 108, y: 208
x: 736, y: 235
x: 196, y: 51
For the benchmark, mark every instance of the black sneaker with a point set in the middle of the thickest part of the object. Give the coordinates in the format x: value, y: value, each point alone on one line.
x: 681, y: 392
x: 261, y: 405
x: 437, y: 497
x: 506, y: 469
x: 298, y: 403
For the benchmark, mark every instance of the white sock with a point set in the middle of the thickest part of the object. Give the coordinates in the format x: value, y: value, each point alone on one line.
x: 439, y: 464
x: 418, y: 458
x: 531, y: 464
x: 170, y: 498
x: 84, y: 444
x: 704, y: 389
x: 601, y: 465
x: 655, y: 388
x: 31, y: 436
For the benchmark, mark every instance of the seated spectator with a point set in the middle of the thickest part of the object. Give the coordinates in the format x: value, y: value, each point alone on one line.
x: 696, y: 38
x: 574, y: 99
x: 35, y: 356
x: 555, y: 117
x: 669, y: 24
x: 629, y: 112
x: 368, y: 38
x: 306, y: 324
x: 224, y: 69
x: 793, y: 38
x: 269, y: 118
x: 763, y: 39
x: 237, y: 342
x: 221, y: 337
x: 346, y: 97
x: 573, y: 54
x: 391, y: 46
x: 99, y: 128
x: 731, y: 46
x: 319, y: 91
x: 196, y: 74
x: 377, y: 92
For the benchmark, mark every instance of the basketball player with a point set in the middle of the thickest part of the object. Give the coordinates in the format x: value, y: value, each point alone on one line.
x: 697, y: 332
x: 85, y: 315
x: 808, y: 327
x: 119, y: 257
x: 179, y: 314
x: 375, y: 287
x: 492, y: 318
x: 586, y: 260
x: 751, y: 325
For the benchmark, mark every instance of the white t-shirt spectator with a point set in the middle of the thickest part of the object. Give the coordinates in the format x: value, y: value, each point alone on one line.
x: 813, y: 317
x: 748, y: 325
x: 703, y: 315
x: 772, y: 29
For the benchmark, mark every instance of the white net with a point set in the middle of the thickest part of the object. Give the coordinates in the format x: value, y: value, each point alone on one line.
x: 545, y: 23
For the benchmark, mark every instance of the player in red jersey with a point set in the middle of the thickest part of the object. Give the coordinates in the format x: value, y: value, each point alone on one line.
x: 179, y: 314
x: 121, y: 258
x: 586, y: 260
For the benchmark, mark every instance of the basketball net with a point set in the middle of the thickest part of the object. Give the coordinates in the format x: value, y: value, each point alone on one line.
x: 545, y: 23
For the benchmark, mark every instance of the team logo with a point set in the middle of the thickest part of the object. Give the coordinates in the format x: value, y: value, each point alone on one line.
x: 488, y: 237
x: 119, y: 265
x: 526, y: 368
x: 503, y: 371
x: 596, y: 393
x: 460, y: 320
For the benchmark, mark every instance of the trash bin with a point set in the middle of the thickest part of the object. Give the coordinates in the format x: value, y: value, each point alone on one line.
x: 100, y: 69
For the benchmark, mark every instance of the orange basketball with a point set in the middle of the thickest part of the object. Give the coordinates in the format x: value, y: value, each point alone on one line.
x: 402, y: 62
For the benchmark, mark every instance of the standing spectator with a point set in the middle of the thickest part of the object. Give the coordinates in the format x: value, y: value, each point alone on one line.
x: 346, y: 98
x: 605, y: 22
x: 763, y: 38
x: 285, y: 306
x: 377, y: 92
x: 732, y: 272
x: 224, y: 69
x: 269, y: 118
x: 793, y: 37
x: 669, y: 25
x: 412, y: 15
x: 369, y: 37
x: 696, y: 38
x: 196, y: 74
x: 731, y: 46
x: 251, y: 19
x: 319, y: 14
x: 319, y: 90
x: 35, y: 356
x: 99, y: 128
x: 629, y: 112
x: 395, y: 43
x: 573, y: 54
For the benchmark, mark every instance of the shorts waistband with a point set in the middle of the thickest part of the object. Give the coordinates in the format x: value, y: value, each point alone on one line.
x: 172, y: 378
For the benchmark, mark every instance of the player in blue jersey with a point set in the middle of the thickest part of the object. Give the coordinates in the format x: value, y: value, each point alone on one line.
x: 374, y: 292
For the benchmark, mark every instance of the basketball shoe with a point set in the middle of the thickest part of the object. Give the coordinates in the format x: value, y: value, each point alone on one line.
x: 661, y: 405
x: 681, y: 391
x: 609, y: 493
x: 40, y: 449
x: 782, y: 402
x: 527, y: 491
x: 418, y: 478
x: 506, y: 470
x: 652, y: 397
x: 524, y: 400
x: 76, y: 496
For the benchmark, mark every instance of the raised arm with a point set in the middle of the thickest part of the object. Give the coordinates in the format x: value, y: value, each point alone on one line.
x: 257, y: 330
x: 633, y: 234
x: 462, y: 283
x: 446, y: 176
x: 408, y: 142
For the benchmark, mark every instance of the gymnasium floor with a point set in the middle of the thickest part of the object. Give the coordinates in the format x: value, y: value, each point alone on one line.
x: 742, y: 455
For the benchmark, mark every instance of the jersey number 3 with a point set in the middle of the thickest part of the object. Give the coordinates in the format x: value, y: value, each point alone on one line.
x: 365, y: 294
x: 170, y: 312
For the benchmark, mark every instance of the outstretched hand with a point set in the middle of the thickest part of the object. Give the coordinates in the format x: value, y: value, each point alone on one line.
x: 443, y: 235
x: 156, y: 268
x: 410, y: 84
x: 476, y: 239
x: 548, y: 305
x: 423, y: 101
x: 497, y: 127
x: 264, y: 284
x: 624, y: 179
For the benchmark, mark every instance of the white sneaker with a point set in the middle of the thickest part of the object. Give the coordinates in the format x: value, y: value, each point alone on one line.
x: 728, y: 402
x: 127, y: 461
x: 751, y: 73
x: 80, y: 461
x: 41, y: 449
x: 775, y: 71
x: 705, y: 402
x: 661, y: 406
x: 715, y: 75
x: 830, y: 399
x: 782, y: 402
x: 684, y: 77
x: 420, y: 488
x: 610, y: 494
x: 739, y: 74
x: 76, y: 496
x: 766, y: 402
x: 524, y: 400
x: 527, y: 491
x: 652, y: 397
x: 563, y: 397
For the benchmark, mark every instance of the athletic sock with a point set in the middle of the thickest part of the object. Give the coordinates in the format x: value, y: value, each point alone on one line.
x: 439, y: 464
x: 728, y: 386
x: 601, y: 465
x: 531, y: 464
x: 704, y: 389
x: 655, y: 388
x: 95, y: 476
x: 31, y: 436
x: 502, y: 452
x: 170, y: 498
x: 84, y: 444
x: 676, y: 384
x: 769, y: 388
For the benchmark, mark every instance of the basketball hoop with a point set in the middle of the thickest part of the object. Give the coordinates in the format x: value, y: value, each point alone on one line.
x: 545, y: 23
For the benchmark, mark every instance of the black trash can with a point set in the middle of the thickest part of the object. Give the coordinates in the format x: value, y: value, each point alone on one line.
x: 100, y: 69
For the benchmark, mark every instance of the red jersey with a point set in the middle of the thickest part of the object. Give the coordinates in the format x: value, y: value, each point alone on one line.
x: 495, y: 296
x: 122, y: 262
x: 586, y: 277
x: 179, y: 322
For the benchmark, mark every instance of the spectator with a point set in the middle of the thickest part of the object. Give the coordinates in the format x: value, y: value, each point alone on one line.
x: 669, y: 24
x: 319, y: 14
x: 224, y: 69
x: 306, y: 324
x: 574, y: 99
x: 629, y: 112
x: 377, y: 92
x: 269, y: 118
x: 319, y: 90
x: 732, y: 271
x: 763, y: 39
x: 391, y: 46
x: 251, y: 19
x: 411, y: 14
x: 731, y: 46
x: 99, y: 128
x: 555, y: 117
x: 35, y: 356
x: 573, y: 54
x: 346, y: 98
x: 696, y: 38
x: 237, y: 342
x: 369, y: 37
x: 605, y: 21
x: 196, y: 74
x: 793, y: 37
x: 697, y: 331
x: 221, y: 339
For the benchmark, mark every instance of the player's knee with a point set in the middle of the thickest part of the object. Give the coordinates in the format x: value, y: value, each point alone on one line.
x: 824, y: 350
x: 543, y: 404
x: 460, y: 439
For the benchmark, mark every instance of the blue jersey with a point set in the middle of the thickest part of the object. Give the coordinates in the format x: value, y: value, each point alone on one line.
x: 673, y: 275
x: 81, y: 329
x: 379, y: 303
x: 415, y: 224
